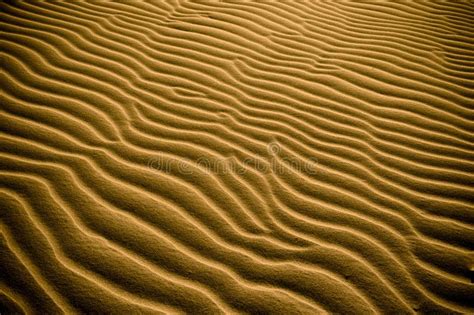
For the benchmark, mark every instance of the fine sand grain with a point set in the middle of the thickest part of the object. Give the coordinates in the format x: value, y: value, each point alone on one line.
x: 237, y: 157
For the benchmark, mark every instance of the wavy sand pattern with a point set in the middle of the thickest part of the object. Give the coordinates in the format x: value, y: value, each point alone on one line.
x: 235, y: 157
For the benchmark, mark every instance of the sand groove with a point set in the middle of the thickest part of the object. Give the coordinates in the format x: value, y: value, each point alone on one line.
x: 237, y: 157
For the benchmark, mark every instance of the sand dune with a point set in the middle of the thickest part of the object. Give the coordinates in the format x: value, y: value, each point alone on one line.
x: 237, y: 157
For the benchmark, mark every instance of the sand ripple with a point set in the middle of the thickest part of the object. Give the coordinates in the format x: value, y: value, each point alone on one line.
x: 236, y: 157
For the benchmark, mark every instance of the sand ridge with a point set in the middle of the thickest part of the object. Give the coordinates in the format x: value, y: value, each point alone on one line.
x: 237, y: 157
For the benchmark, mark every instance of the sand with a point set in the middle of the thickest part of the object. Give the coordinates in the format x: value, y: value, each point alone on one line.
x: 236, y: 157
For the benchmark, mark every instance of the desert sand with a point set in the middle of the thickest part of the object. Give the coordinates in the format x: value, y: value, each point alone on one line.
x: 237, y: 157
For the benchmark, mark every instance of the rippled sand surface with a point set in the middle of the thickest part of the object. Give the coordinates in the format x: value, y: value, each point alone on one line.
x: 237, y: 157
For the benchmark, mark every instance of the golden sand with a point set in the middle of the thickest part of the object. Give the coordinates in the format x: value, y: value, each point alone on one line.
x: 237, y: 157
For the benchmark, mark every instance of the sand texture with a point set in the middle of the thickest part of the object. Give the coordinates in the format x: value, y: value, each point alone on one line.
x: 237, y: 157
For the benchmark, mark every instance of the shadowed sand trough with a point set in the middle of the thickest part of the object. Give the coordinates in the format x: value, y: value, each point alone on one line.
x: 236, y: 157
